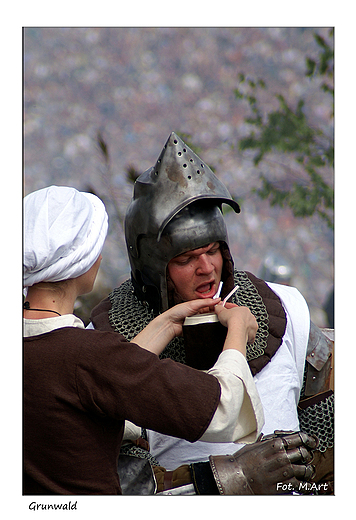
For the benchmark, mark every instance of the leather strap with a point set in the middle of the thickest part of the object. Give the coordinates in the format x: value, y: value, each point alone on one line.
x: 168, y: 480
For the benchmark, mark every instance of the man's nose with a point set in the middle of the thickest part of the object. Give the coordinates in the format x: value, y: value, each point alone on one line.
x: 205, y: 266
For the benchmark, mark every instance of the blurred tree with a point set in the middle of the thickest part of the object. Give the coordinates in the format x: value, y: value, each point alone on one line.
x: 290, y: 131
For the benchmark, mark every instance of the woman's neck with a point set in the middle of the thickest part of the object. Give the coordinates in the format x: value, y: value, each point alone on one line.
x: 47, y: 303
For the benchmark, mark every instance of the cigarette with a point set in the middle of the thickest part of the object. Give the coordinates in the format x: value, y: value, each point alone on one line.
x: 230, y: 294
x: 217, y: 294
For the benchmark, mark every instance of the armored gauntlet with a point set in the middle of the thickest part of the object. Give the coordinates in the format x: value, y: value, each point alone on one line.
x: 275, y: 465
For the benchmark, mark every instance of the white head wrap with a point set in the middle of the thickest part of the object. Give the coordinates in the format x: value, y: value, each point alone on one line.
x: 64, y: 233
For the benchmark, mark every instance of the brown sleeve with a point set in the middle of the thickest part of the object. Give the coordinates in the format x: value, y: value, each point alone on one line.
x: 123, y: 381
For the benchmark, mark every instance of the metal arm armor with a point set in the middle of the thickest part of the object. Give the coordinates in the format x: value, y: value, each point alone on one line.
x: 319, y: 369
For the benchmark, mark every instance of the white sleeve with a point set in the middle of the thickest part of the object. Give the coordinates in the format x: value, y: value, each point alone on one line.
x: 131, y: 431
x: 239, y: 415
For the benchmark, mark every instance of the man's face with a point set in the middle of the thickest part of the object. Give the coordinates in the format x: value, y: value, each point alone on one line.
x: 197, y: 273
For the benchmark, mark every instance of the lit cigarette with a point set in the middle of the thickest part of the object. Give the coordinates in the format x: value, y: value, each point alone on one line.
x: 217, y: 294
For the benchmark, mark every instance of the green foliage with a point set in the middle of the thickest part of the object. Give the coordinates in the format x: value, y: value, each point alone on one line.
x: 289, y: 131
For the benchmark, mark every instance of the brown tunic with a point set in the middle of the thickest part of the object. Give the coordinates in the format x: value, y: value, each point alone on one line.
x: 79, y: 387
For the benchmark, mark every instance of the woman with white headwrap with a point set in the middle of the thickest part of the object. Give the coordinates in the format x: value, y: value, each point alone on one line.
x: 80, y: 385
x: 64, y: 233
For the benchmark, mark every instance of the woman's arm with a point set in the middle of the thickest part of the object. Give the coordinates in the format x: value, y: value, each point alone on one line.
x: 241, y: 326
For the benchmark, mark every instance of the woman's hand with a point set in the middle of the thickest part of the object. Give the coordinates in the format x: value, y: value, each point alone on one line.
x: 241, y: 324
x: 156, y: 336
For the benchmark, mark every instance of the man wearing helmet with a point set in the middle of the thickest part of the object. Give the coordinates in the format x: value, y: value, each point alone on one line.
x: 178, y: 248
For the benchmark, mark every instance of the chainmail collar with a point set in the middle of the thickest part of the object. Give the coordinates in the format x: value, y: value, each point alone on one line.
x: 128, y: 316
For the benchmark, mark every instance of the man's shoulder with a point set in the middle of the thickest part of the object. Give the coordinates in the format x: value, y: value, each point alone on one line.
x: 100, y: 315
x: 286, y: 294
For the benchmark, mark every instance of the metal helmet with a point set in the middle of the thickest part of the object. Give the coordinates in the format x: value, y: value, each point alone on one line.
x: 176, y: 207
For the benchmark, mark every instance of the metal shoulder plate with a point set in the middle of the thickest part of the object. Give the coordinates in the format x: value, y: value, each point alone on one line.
x: 319, y: 358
